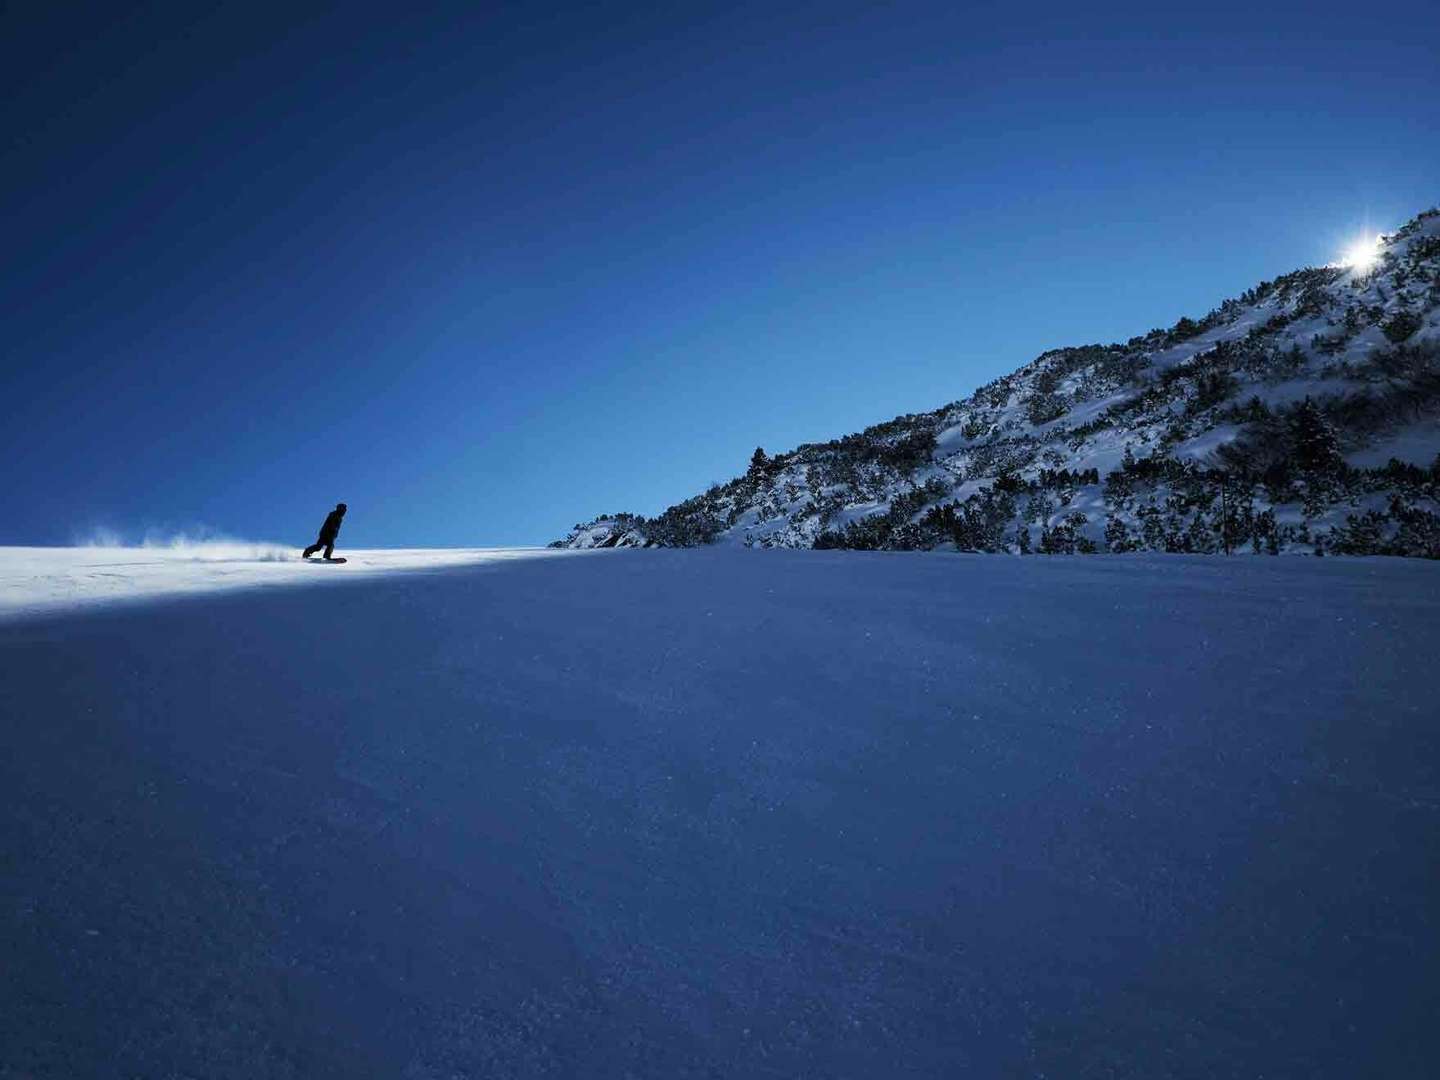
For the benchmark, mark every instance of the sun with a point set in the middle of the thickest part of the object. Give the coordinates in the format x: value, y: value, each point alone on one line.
x: 1362, y: 254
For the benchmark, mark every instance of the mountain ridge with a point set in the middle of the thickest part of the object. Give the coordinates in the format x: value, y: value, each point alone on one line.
x: 1302, y: 416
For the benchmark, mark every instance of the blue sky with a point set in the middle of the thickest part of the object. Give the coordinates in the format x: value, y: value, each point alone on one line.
x: 485, y: 271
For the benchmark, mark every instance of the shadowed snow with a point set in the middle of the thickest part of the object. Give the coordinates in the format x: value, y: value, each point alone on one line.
x: 720, y: 813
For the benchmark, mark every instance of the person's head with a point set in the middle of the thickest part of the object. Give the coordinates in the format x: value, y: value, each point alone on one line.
x: 340, y: 507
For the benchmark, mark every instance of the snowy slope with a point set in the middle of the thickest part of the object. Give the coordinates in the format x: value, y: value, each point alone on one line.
x: 729, y: 814
x: 49, y: 579
x: 1177, y: 440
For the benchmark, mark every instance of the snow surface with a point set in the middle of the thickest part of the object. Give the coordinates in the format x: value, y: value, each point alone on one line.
x: 720, y: 813
x: 1417, y: 443
x: 49, y: 579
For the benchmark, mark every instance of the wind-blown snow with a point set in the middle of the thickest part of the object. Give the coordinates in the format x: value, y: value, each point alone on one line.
x: 726, y: 813
x: 48, y: 579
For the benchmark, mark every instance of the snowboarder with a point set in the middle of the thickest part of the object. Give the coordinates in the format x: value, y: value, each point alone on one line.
x: 328, y: 532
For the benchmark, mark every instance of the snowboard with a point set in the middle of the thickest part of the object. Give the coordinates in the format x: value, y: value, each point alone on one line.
x: 338, y: 560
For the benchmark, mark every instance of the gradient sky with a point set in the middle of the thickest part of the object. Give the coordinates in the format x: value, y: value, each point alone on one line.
x: 484, y: 271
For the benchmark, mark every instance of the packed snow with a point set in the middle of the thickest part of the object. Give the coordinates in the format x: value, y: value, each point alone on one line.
x: 719, y: 813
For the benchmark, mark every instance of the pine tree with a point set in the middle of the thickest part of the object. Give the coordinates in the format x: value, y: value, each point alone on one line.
x: 1317, y: 450
x: 1267, y: 526
x: 1185, y: 328
x: 759, y: 464
x: 1117, y: 535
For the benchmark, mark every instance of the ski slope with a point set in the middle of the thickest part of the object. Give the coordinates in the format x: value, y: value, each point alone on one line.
x: 720, y: 813
x: 34, y: 580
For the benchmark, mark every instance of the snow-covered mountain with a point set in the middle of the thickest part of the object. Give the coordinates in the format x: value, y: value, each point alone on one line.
x: 1302, y: 416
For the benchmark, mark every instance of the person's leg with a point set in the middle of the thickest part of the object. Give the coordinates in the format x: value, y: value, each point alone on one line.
x: 330, y: 550
x: 310, y: 551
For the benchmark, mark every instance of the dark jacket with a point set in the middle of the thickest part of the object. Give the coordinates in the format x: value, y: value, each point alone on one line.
x: 331, y: 528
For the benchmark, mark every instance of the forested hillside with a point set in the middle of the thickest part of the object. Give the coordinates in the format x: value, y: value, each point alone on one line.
x: 1302, y: 416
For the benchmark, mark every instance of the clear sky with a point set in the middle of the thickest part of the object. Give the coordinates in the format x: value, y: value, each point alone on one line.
x: 486, y: 270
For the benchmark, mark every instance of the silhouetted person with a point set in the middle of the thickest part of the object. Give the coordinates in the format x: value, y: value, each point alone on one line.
x: 328, y: 532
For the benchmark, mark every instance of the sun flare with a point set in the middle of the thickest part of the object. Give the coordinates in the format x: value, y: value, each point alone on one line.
x: 1362, y: 254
